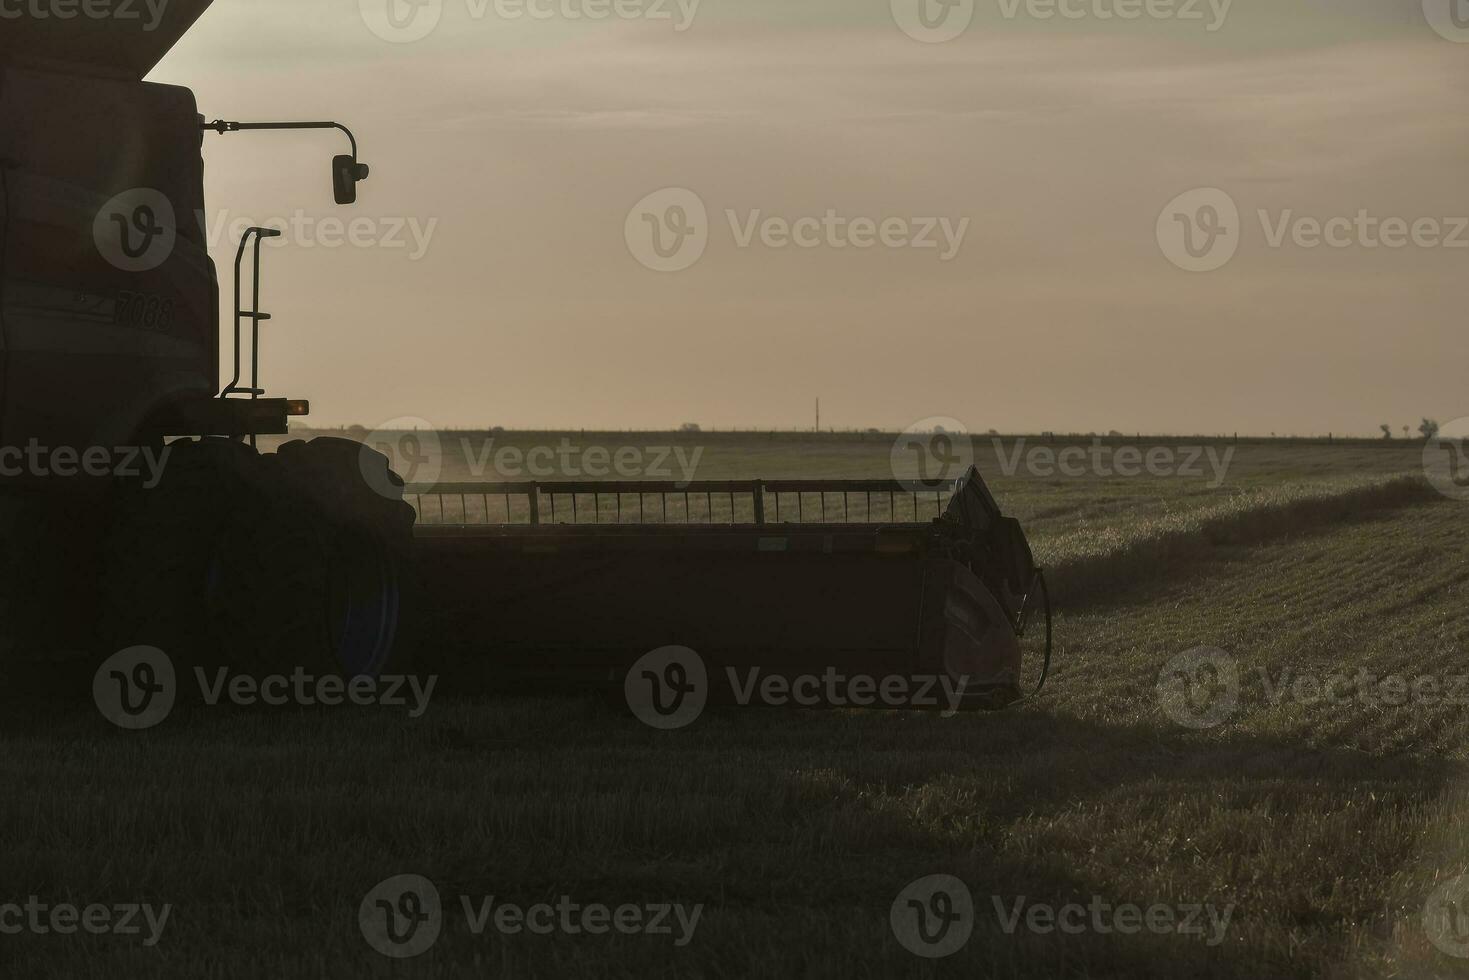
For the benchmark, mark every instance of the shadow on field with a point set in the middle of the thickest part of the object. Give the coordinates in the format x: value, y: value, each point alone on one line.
x: 1034, y: 809
x: 796, y: 829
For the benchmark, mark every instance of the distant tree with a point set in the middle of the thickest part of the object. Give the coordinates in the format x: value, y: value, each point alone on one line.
x: 690, y: 427
x: 1386, y: 431
x: 1115, y: 434
x: 1406, y: 430
x: 1429, y: 428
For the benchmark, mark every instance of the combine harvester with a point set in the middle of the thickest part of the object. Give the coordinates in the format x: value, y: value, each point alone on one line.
x: 311, y: 557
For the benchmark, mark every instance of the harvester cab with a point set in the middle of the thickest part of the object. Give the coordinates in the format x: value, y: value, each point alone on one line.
x: 110, y: 308
x: 133, y: 506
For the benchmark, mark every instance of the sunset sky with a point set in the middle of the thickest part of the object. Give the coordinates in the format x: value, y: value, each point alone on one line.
x: 519, y: 145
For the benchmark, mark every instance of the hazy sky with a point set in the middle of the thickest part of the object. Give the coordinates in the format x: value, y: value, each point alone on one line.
x: 1052, y: 143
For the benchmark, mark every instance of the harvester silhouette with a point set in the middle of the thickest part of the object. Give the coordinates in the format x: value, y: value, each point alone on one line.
x: 317, y: 555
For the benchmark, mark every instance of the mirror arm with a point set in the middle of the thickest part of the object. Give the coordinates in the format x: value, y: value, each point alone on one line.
x: 222, y: 126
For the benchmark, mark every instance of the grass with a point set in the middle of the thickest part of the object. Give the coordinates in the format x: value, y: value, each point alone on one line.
x: 1326, y: 826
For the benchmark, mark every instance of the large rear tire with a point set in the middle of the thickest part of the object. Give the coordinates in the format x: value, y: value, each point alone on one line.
x: 357, y: 501
x: 255, y: 563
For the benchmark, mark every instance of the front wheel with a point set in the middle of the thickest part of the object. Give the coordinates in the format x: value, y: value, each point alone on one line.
x: 253, y: 563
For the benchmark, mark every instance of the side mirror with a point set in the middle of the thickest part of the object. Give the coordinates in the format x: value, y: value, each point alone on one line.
x: 346, y: 173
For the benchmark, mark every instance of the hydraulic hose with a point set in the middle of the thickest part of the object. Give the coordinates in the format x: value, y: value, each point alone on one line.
x: 1038, y: 584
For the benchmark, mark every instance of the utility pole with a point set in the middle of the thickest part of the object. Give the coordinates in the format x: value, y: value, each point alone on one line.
x: 818, y: 415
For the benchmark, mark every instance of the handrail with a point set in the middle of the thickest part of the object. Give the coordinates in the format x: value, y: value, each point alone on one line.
x: 253, y: 315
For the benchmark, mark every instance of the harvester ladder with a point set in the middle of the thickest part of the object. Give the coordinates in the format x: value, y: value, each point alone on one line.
x: 254, y: 315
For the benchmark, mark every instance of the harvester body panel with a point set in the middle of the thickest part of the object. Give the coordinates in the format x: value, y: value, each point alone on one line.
x: 110, y: 300
x: 127, y: 43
